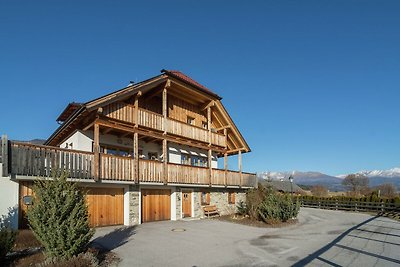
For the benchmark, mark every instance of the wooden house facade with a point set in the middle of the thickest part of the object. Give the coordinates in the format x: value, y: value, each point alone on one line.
x: 146, y: 152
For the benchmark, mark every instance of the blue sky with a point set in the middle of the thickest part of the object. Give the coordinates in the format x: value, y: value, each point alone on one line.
x: 312, y: 85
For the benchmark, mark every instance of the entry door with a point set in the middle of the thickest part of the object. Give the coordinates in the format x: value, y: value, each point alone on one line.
x: 156, y: 205
x: 187, y: 203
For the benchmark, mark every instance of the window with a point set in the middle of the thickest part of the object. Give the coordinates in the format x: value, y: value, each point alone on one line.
x: 231, y: 197
x: 194, y: 160
x: 204, y: 124
x: 116, y: 151
x: 205, y: 198
x: 190, y: 120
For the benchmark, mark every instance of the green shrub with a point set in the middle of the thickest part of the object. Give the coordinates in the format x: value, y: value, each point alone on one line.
x: 59, y: 218
x: 271, y: 207
x: 7, y: 240
x: 241, y: 208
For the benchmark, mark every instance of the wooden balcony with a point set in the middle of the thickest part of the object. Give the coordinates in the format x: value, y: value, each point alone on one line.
x: 43, y: 161
x: 151, y: 120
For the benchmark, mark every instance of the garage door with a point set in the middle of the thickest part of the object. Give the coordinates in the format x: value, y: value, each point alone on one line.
x: 106, y: 206
x: 156, y: 205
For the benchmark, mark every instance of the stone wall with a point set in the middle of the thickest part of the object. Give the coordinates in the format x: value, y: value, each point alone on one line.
x: 219, y: 198
x: 178, y: 203
x: 134, y: 205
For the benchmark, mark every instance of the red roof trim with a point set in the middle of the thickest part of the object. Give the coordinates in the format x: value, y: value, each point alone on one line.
x: 183, y: 77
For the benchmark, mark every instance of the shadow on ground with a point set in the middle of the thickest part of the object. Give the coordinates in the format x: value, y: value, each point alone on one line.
x: 379, y: 235
x: 114, y: 239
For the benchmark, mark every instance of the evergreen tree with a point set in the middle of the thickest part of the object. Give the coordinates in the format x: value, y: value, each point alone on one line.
x: 59, y: 217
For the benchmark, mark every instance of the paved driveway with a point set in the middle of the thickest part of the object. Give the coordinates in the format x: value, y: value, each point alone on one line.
x: 321, y: 238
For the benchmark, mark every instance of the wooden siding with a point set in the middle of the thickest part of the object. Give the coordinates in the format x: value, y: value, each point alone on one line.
x: 119, y: 111
x: 179, y: 110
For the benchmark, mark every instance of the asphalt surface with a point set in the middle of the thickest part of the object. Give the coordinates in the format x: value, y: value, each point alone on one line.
x: 321, y: 238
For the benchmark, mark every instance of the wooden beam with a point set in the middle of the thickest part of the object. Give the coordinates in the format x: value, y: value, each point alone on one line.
x: 207, y: 105
x: 88, y: 126
x: 236, y: 150
x: 209, y: 124
x: 96, y: 150
x: 223, y: 128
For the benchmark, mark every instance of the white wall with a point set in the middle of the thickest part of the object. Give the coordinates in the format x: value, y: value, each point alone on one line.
x: 9, y: 191
x: 78, y: 141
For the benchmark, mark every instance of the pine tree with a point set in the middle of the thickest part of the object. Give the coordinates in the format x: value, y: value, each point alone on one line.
x: 59, y: 217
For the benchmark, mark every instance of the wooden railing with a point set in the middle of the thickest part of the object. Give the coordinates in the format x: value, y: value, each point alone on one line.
x: 125, y: 112
x: 184, y: 174
x: 218, y: 177
x: 186, y: 130
x: 335, y: 204
x: 116, y: 168
x: 43, y: 161
x: 150, y: 119
x: 151, y: 171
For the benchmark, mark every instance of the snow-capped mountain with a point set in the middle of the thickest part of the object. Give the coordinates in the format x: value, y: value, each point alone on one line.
x: 334, y: 183
x: 394, y: 172
x: 306, y: 178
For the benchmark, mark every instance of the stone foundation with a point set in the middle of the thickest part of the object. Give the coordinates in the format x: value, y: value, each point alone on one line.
x: 218, y: 197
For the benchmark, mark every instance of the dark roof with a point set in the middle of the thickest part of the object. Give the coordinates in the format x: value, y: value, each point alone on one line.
x: 71, y: 108
x: 284, y: 186
x: 183, y: 77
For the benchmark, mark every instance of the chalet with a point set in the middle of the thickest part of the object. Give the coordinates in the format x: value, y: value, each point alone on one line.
x: 146, y: 152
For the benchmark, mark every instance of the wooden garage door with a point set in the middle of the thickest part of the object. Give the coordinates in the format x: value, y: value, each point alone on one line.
x: 156, y: 205
x: 106, y: 206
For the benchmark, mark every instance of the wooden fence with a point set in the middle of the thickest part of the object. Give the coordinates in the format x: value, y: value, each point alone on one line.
x: 333, y: 204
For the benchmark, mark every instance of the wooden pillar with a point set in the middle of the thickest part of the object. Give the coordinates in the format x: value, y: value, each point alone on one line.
x: 136, y: 109
x: 136, y: 157
x: 209, y: 144
x: 209, y: 167
x: 240, y: 167
x: 209, y: 124
x: 226, y: 169
x: 96, y: 151
x: 165, y: 161
x: 4, y: 154
x: 226, y: 158
x: 164, y: 109
x: 165, y: 144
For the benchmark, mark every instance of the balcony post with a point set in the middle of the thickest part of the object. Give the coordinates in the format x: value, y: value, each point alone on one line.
x: 164, y: 144
x: 165, y: 161
x: 226, y: 169
x: 240, y: 167
x: 136, y: 109
x: 96, y: 151
x: 136, y: 157
x: 209, y: 167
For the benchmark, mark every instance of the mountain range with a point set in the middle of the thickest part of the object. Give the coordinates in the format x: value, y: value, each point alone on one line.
x: 334, y: 183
